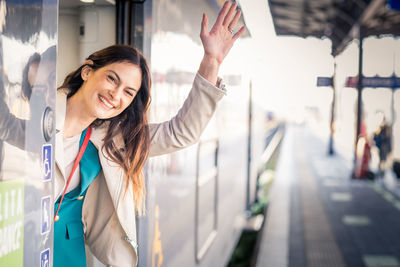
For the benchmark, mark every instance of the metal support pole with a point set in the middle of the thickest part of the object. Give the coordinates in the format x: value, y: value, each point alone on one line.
x: 393, y: 118
x: 359, y: 90
x: 393, y: 110
x: 331, y: 150
x: 249, y: 147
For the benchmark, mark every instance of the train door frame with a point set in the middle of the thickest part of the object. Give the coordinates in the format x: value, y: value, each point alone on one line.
x: 201, y: 179
x: 133, y: 27
x: 132, y: 24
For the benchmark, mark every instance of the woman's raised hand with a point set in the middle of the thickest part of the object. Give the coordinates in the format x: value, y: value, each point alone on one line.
x: 219, y: 40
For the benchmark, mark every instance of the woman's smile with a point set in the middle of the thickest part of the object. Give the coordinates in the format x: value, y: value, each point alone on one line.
x: 106, y: 103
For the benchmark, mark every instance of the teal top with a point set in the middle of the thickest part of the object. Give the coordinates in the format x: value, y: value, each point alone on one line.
x: 69, y: 243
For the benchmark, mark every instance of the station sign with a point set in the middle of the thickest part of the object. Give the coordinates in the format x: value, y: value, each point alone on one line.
x: 324, y: 81
x: 394, y: 5
x: 374, y: 82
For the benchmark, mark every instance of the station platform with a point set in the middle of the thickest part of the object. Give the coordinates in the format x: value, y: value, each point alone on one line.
x: 319, y: 217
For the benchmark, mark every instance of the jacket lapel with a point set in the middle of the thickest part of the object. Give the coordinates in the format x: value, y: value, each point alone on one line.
x: 116, y: 183
x: 60, y: 153
x: 61, y: 101
x: 112, y: 172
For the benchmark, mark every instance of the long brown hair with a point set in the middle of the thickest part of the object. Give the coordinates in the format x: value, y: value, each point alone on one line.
x: 132, y: 123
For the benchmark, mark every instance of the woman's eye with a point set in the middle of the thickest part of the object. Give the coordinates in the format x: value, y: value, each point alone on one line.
x: 128, y: 92
x: 111, y: 78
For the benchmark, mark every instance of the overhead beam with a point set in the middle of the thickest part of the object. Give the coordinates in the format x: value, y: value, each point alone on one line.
x: 367, y: 14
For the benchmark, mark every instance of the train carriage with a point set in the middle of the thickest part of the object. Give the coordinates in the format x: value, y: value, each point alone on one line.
x: 197, y: 198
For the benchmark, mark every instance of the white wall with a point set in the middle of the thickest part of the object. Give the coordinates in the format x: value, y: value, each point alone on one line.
x: 68, y: 43
x: 100, y: 32
x: 99, y: 24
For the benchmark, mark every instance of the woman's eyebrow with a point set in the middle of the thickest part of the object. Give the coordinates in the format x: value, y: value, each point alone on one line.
x: 119, y: 80
x: 115, y: 74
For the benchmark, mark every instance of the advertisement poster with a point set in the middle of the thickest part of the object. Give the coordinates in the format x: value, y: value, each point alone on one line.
x: 11, y: 223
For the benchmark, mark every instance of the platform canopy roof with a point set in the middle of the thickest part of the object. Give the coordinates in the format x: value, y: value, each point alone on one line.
x: 338, y: 20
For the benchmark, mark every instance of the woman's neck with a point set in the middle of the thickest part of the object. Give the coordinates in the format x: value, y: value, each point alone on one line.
x: 77, y: 118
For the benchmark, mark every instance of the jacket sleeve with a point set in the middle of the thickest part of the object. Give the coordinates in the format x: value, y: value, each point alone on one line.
x: 12, y: 129
x: 186, y: 127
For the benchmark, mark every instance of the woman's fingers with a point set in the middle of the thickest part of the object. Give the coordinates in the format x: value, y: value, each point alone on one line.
x: 204, y: 25
x: 222, y: 13
x: 235, y: 20
x: 228, y: 17
x: 240, y: 32
x: 219, y: 40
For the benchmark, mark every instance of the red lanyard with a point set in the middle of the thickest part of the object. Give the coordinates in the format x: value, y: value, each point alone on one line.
x: 77, y: 160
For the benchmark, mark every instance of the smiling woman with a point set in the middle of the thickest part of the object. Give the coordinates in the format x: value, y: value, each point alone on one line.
x: 103, y: 140
x: 107, y: 87
x: 112, y: 87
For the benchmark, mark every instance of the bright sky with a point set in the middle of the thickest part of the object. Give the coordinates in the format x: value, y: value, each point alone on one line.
x: 287, y: 68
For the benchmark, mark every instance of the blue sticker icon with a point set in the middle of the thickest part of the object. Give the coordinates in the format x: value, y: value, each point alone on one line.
x: 45, y: 226
x: 45, y: 258
x: 46, y: 162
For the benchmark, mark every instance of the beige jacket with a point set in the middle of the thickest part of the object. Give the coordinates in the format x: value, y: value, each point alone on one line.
x: 108, y: 216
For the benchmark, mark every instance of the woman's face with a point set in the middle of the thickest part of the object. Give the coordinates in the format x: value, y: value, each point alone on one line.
x: 111, y: 89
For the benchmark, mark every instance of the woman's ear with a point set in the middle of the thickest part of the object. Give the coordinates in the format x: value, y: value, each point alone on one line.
x: 86, y: 69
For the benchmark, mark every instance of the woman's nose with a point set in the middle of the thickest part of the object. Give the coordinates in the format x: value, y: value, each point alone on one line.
x: 115, y: 93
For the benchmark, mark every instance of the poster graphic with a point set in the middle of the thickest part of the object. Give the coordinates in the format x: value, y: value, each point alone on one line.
x: 45, y: 258
x: 11, y: 223
x: 45, y: 225
x: 47, y: 162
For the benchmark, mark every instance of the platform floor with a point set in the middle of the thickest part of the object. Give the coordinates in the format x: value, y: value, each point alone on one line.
x: 319, y: 217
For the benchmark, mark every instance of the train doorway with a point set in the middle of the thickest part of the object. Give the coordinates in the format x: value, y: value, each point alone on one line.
x: 28, y: 56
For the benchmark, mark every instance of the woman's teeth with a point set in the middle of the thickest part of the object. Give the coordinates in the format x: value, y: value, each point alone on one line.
x: 105, y: 102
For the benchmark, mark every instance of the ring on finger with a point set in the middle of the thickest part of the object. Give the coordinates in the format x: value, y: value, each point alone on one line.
x: 230, y: 29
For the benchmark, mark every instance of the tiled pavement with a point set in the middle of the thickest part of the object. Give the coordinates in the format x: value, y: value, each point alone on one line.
x: 328, y: 219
